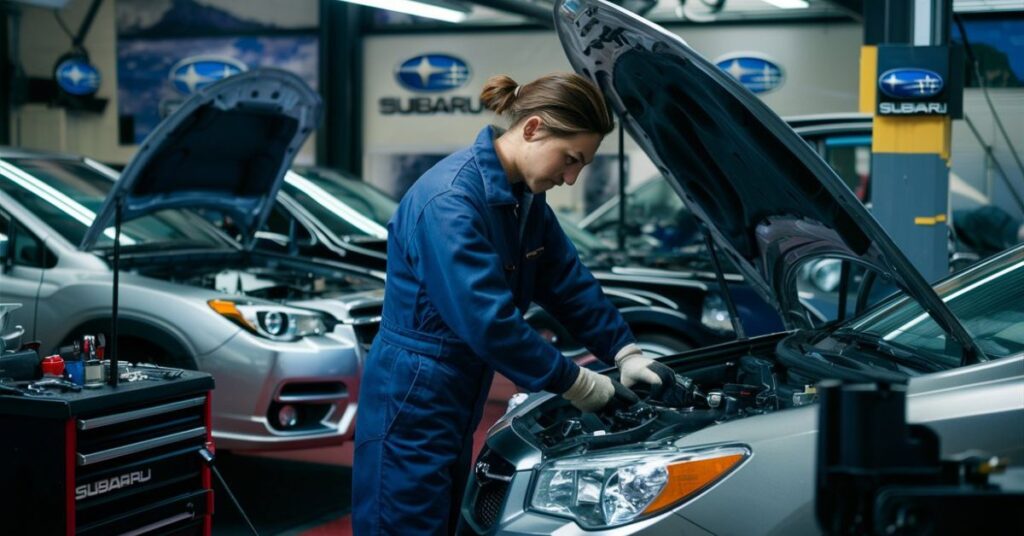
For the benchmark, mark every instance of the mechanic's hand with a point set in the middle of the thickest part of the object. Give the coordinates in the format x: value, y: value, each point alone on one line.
x: 591, y: 391
x: 635, y: 367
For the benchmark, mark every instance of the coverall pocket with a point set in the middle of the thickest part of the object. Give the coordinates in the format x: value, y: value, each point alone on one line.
x: 405, y: 391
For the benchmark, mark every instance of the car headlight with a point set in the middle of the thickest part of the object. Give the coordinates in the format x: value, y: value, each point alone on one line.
x: 715, y: 314
x: 275, y: 322
x: 608, y: 490
x: 825, y: 274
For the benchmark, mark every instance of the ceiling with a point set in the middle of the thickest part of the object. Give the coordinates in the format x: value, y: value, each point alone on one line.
x: 517, y: 12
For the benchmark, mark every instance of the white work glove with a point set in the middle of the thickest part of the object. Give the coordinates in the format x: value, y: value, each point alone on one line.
x: 591, y: 391
x: 635, y: 367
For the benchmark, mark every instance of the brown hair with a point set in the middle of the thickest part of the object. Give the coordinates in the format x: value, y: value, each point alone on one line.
x: 568, y: 103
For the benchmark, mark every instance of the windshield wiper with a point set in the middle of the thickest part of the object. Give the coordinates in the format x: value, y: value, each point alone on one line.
x: 903, y: 354
x: 163, y: 245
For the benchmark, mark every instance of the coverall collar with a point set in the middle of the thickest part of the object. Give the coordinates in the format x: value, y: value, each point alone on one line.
x: 496, y: 185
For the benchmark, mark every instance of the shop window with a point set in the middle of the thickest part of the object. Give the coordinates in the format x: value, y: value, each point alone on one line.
x: 997, y: 45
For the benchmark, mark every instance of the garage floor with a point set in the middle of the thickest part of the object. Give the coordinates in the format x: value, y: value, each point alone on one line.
x: 307, y: 492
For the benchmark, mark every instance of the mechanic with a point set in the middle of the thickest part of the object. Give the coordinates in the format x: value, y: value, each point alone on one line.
x: 471, y: 245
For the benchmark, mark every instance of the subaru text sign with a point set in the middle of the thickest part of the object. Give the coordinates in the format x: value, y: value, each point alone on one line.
x: 76, y: 76
x: 194, y: 73
x: 427, y: 74
x: 919, y: 81
x: 433, y: 73
x: 756, y: 72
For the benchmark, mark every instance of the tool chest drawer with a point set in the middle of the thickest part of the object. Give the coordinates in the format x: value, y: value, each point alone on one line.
x: 116, y: 460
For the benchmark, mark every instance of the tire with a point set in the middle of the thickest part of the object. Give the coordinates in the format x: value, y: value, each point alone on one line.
x: 143, y: 351
x: 660, y: 344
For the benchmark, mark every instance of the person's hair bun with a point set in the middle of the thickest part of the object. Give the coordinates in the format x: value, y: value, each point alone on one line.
x: 498, y: 94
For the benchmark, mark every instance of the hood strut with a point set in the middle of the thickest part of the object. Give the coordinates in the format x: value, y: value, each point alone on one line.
x: 737, y: 326
x: 114, y: 372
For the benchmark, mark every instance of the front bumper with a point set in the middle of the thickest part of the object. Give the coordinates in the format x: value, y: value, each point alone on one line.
x: 317, y: 377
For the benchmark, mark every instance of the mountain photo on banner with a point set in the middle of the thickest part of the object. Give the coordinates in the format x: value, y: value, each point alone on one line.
x: 168, y: 49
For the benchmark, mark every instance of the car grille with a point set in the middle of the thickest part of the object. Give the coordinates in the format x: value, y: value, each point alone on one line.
x: 491, y: 480
x: 490, y: 497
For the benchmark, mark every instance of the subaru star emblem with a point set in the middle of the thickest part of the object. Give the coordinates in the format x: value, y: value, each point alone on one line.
x: 194, y: 73
x: 432, y: 72
x: 757, y: 73
x: 76, y: 76
x: 910, y: 83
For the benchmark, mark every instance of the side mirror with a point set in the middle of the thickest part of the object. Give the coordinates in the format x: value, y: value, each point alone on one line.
x: 277, y: 239
x: 5, y: 252
x: 303, y: 240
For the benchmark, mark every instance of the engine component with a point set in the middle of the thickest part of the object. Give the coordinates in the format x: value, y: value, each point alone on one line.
x: 808, y: 396
x: 757, y: 371
x: 682, y: 405
x: 681, y: 392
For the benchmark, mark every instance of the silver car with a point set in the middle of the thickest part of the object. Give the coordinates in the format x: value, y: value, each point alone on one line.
x: 730, y: 447
x: 283, y: 337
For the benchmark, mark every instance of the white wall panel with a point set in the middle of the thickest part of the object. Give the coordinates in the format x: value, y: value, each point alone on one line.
x: 820, y: 63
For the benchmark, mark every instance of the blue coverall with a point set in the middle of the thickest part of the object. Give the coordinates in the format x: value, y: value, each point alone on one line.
x: 459, y: 280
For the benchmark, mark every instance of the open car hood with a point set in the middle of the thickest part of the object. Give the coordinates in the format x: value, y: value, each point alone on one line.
x: 769, y: 201
x: 226, y: 148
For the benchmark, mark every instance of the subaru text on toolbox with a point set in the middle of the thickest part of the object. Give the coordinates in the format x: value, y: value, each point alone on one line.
x: 736, y: 432
x: 283, y: 336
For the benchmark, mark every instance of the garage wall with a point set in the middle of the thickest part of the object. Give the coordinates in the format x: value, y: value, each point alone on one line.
x: 41, y: 41
x: 969, y: 159
x: 820, y: 63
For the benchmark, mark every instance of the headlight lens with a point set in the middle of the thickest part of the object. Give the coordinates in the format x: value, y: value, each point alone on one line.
x: 715, y: 314
x: 275, y: 322
x: 825, y: 274
x: 615, y: 489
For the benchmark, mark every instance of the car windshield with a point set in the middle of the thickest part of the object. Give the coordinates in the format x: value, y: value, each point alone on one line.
x: 67, y: 193
x: 347, y: 207
x: 987, y: 299
x: 587, y: 244
x: 657, y: 221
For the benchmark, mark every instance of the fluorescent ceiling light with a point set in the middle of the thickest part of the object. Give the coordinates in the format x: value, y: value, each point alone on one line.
x: 788, y: 4
x: 420, y: 9
x: 968, y: 6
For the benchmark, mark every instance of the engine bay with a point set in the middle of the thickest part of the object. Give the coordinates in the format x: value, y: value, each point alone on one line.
x: 727, y: 391
x: 266, y: 277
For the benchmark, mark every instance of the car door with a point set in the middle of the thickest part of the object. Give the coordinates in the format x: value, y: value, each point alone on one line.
x: 23, y: 261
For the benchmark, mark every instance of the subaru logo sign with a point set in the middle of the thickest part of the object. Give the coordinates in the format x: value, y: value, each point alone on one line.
x: 910, y: 83
x: 432, y: 72
x: 76, y: 76
x: 192, y: 74
x: 757, y: 73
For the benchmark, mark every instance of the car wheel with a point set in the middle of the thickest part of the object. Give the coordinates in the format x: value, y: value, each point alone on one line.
x: 659, y: 344
x: 143, y: 351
